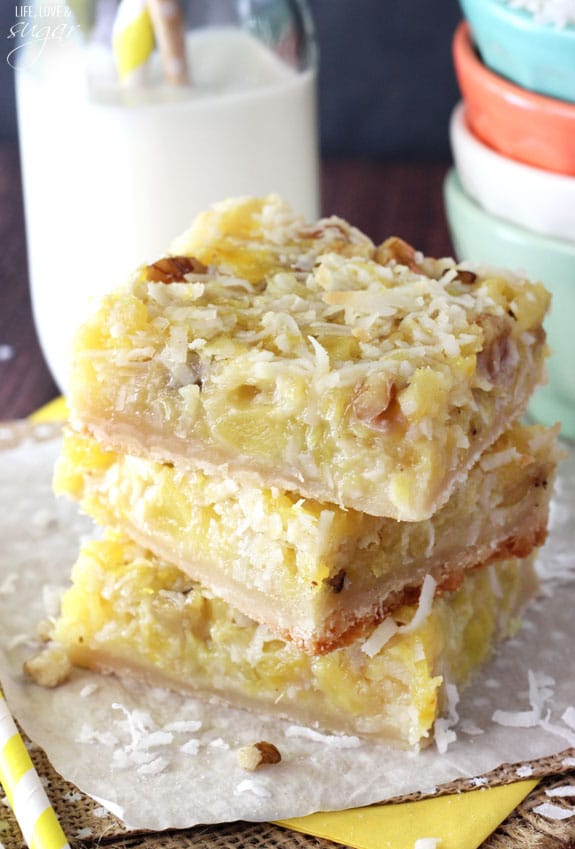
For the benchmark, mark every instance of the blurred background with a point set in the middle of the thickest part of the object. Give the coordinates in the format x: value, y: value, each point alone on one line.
x: 386, y: 90
x: 386, y: 81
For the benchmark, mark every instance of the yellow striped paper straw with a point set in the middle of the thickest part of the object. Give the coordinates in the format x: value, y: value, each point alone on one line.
x: 23, y: 788
x: 132, y: 38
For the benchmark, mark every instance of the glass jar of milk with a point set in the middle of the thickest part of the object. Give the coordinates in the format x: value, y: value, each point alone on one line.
x: 113, y: 171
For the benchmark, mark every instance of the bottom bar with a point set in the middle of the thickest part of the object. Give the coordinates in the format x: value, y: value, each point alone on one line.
x: 130, y: 613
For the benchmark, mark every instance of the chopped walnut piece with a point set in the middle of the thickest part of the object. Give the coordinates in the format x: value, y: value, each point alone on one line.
x: 173, y: 269
x: 395, y: 250
x: 257, y: 755
x: 50, y: 668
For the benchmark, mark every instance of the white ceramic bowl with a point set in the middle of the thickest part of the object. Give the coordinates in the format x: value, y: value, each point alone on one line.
x: 539, y: 200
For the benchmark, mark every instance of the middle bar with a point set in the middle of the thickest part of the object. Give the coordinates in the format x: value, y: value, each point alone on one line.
x: 314, y: 573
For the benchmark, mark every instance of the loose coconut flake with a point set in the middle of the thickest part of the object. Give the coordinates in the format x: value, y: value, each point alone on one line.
x: 524, y: 771
x: 564, y: 791
x: 388, y: 628
x: 553, y: 812
x: 380, y: 636
x: 443, y: 727
x: 336, y: 740
x: 540, y: 690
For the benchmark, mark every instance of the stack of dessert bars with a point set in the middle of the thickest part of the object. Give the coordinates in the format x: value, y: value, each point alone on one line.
x: 306, y: 453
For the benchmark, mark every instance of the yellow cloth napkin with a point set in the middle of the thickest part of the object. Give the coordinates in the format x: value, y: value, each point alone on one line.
x: 54, y: 411
x: 462, y: 821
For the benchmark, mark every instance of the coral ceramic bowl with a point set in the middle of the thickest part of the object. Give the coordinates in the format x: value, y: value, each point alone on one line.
x: 536, y: 56
x: 540, y: 200
x: 477, y: 235
x: 531, y: 128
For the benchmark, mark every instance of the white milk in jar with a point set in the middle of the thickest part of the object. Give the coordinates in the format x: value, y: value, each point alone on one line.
x: 111, y: 176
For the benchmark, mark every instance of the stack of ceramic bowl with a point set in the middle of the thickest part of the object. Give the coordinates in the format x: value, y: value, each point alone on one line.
x: 510, y: 199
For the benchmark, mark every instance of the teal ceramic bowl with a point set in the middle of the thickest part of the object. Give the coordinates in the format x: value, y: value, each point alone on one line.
x: 482, y: 237
x: 537, y: 56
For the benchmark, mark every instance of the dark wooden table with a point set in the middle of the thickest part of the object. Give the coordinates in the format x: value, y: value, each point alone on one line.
x: 382, y: 199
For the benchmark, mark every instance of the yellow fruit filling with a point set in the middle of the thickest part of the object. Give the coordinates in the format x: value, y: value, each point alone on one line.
x: 129, y: 612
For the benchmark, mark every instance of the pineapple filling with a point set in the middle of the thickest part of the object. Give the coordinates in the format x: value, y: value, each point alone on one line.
x: 127, y: 610
x: 310, y: 570
x: 360, y: 375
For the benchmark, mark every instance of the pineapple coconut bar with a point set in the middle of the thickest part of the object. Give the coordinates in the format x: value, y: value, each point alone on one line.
x: 306, y: 452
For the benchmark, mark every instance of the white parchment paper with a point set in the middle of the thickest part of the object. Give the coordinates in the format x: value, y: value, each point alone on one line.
x: 161, y: 760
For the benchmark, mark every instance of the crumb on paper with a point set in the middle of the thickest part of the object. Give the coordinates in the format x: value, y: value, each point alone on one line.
x: 50, y: 668
x: 257, y: 755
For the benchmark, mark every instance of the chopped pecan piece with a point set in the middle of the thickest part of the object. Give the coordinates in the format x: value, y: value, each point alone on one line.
x: 395, y: 250
x: 50, y: 668
x: 257, y: 755
x: 375, y: 402
x: 498, y: 357
x: 173, y: 269
x: 336, y: 582
x: 468, y: 278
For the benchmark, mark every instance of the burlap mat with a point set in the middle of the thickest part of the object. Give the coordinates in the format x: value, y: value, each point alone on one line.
x: 87, y: 824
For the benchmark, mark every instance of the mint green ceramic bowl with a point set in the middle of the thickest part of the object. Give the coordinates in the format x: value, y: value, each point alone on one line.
x: 482, y: 237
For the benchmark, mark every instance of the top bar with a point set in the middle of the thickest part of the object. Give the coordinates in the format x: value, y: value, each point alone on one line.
x: 304, y: 357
